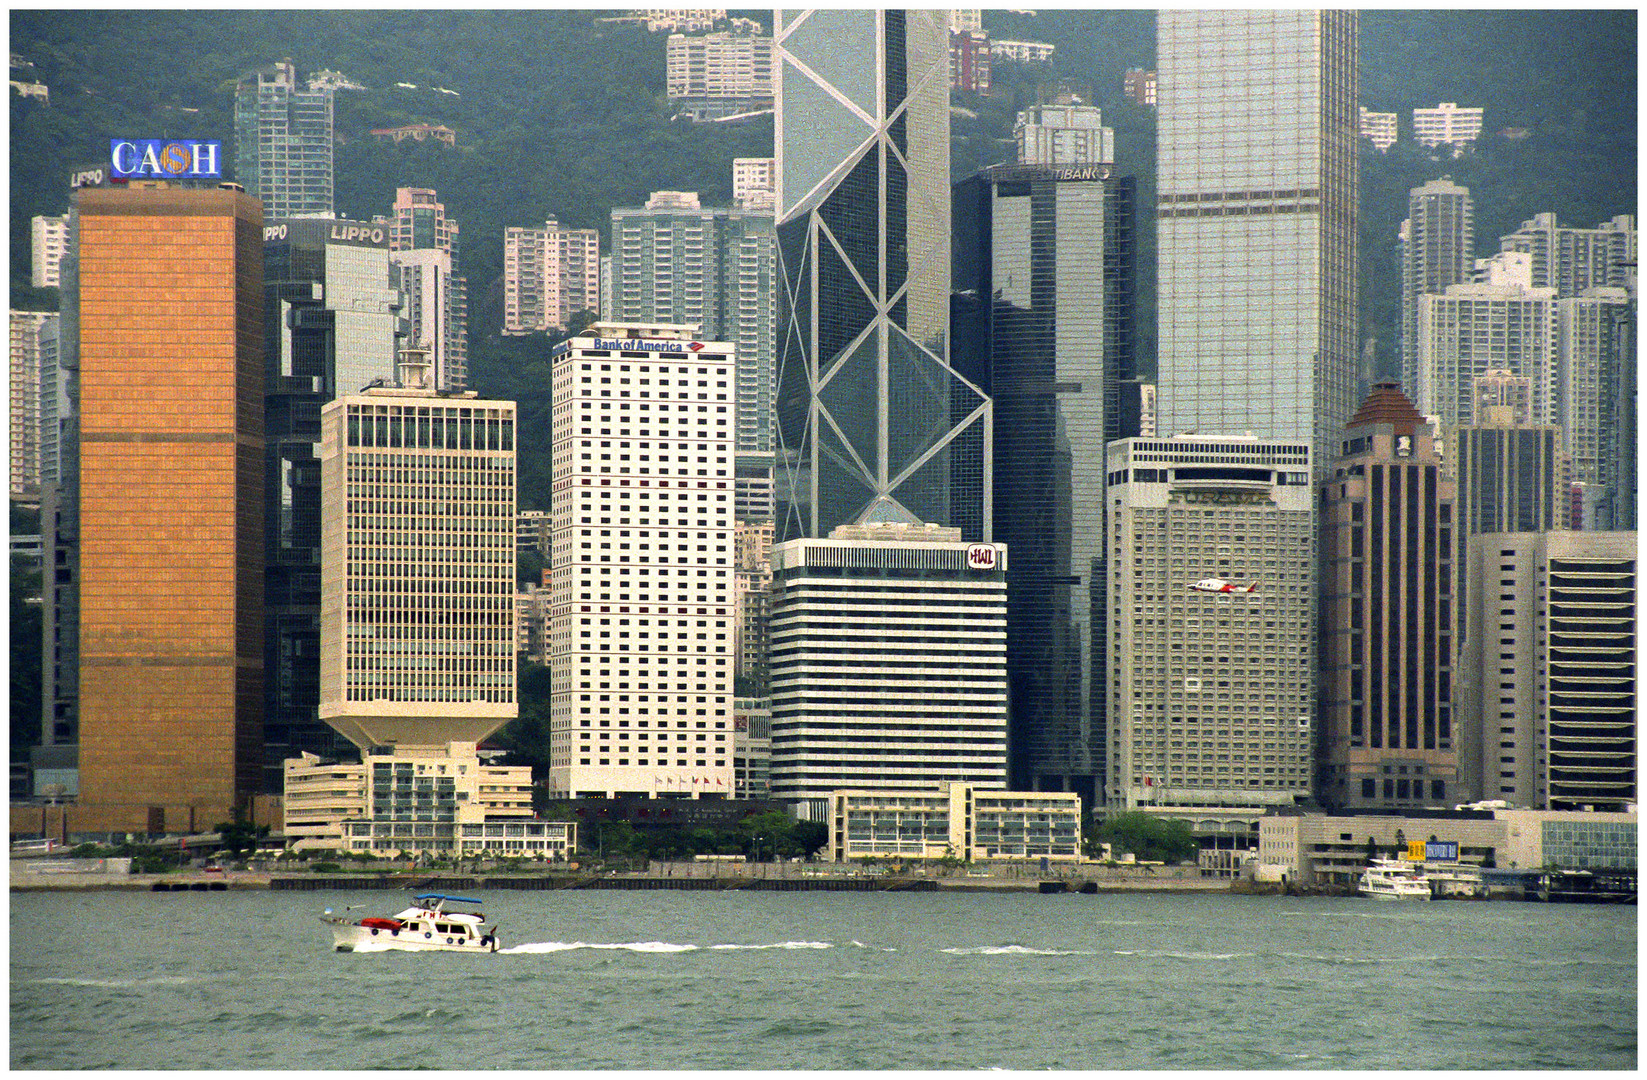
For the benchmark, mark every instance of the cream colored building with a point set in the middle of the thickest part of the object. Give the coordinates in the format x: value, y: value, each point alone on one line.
x: 426, y: 799
x: 955, y: 820
x: 1317, y: 849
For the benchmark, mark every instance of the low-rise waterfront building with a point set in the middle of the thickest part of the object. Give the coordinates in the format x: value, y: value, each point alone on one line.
x: 1323, y: 849
x: 955, y: 820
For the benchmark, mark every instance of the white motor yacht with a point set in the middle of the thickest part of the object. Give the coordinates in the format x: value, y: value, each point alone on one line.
x: 423, y: 927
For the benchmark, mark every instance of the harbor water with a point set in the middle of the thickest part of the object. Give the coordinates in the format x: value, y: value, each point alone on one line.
x: 798, y: 980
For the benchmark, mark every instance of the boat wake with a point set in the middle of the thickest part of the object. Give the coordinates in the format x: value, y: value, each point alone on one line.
x: 1014, y: 950
x: 654, y: 946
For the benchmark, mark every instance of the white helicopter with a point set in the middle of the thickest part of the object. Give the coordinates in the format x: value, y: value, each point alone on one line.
x: 1219, y: 585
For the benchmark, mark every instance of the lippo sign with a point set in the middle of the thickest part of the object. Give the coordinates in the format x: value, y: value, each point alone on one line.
x: 165, y: 159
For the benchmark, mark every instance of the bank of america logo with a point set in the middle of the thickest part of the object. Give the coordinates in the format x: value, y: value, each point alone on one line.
x: 695, y: 346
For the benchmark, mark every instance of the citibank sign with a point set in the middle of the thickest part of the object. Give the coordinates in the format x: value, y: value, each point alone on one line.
x: 980, y: 557
x: 160, y: 159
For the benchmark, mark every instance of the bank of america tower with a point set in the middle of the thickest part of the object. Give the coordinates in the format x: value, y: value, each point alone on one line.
x: 873, y: 417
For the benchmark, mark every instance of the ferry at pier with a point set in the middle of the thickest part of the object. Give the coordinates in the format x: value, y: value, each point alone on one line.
x: 426, y: 926
x: 1394, y: 879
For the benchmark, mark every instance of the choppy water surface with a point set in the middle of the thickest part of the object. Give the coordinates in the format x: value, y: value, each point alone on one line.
x: 658, y: 980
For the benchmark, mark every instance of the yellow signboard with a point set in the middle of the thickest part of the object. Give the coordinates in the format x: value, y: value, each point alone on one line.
x: 1415, y: 850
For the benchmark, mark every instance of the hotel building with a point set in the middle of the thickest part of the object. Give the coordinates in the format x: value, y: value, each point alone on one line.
x: 171, y: 546
x: 1212, y: 695
x: 888, y: 662
x: 642, y: 568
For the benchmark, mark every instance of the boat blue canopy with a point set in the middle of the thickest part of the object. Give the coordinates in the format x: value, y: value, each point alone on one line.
x: 443, y: 896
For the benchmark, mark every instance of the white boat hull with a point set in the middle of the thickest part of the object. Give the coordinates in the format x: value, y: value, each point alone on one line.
x: 350, y: 936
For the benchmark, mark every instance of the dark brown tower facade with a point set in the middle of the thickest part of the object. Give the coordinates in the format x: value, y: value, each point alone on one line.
x: 1388, y: 736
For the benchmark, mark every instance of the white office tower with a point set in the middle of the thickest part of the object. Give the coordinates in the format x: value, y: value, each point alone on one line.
x: 417, y: 564
x: 1256, y: 147
x: 1212, y: 692
x: 1437, y: 245
x: 888, y: 661
x: 1497, y: 322
x: 49, y: 240
x: 549, y: 274
x: 1572, y: 260
x: 641, y: 618
x: 1066, y: 133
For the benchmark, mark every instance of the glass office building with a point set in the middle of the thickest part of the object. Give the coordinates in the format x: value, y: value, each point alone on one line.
x: 871, y: 411
x: 330, y: 326
x: 1257, y: 132
x: 1044, y: 302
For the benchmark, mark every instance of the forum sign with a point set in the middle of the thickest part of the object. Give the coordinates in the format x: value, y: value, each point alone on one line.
x: 162, y: 159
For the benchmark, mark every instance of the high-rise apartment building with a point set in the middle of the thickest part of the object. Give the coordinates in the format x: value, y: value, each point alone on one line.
x: 641, y: 634
x: 888, y: 662
x: 1389, y: 729
x: 423, y: 244
x: 171, y: 548
x: 52, y: 408
x: 969, y: 61
x: 29, y: 374
x: 1437, y: 241
x: 1447, y: 125
x: 755, y: 183
x: 332, y: 325
x: 1212, y: 694
x: 549, y: 275
x: 1378, y: 128
x: 751, y: 599
x: 1473, y: 328
x: 49, y: 239
x: 417, y: 570
x: 1551, y: 696
x: 1256, y: 225
x: 1571, y: 260
x: 283, y: 135
x: 679, y: 262
x: 736, y: 66
x: 869, y: 404
x: 1140, y: 85
x: 1022, y: 52
x: 1587, y: 384
x: 1049, y: 316
x: 1067, y: 133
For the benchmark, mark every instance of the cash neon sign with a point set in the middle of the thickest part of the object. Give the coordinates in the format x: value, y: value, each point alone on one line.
x: 162, y: 159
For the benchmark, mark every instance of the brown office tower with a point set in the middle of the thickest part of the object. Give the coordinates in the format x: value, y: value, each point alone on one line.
x: 1389, y: 740
x: 171, y: 540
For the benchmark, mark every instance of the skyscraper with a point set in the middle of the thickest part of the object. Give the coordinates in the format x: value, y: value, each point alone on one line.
x: 1437, y: 241
x: 28, y: 376
x: 642, y: 565
x: 331, y: 326
x: 1390, y: 734
x: 1257, y: 133
x: 417, y: 602
x: 171, y: 505
x: 423, y: 246
x: 550, y: 273
x: 713, y: 267
x: 1044, y: 303
x: 1570, y: 260
x: 1212, y: 694
x: 869, y: 404
x: 888, y: 662
x: 283, y: 142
